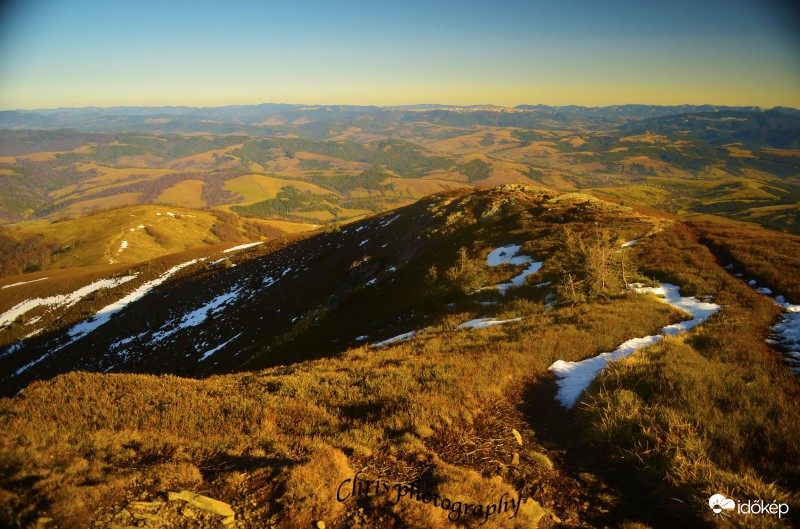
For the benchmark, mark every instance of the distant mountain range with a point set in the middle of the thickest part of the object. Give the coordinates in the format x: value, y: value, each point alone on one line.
x: 264, y: 119
x: 774, y: 128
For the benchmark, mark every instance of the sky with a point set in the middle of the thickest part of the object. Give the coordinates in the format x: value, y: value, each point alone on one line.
x: 78, y: 53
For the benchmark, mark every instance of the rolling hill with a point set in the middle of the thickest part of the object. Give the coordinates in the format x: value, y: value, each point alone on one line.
x: 348, y: 162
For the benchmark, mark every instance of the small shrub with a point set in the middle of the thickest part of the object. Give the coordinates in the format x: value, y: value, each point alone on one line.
x: 467, y: 275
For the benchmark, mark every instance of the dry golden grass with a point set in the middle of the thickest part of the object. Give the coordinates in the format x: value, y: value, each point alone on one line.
x: 739, y: 152
x: 205, y: 160
x: 311, y: 487
x: 35, y: 157
x: 574, y: 142
x: 288, y: 226
x: 472, y: 143
x: 186, y: 193
x: 536, y: 151
x: 96, y: 239
x: 86, y: 207
x: 647, y: 137
x: 255, y: 188
x: 784, y: 152
x: 647, y: 163
x: 108, y: 177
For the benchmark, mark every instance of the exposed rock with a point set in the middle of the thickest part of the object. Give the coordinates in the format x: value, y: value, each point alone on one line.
x: 202, y: 502
x: 533, y: 509
x: 517, y: 436
x: 320, y: 524
x: 146, y: 505
x: 515, y: 459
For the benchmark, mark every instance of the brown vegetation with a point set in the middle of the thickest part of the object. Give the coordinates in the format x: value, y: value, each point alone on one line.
x: 28, y: 254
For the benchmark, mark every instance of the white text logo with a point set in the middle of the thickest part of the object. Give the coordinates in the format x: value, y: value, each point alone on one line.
x: 722, y: 506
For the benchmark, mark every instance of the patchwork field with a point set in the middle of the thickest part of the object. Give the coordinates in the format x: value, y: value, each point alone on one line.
x: 309, y: 172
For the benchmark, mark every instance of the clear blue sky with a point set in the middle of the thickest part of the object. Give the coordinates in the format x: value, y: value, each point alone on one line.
x: 75, y: 53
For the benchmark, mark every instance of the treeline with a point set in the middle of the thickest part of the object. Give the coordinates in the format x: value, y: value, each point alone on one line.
x: 30, y: 254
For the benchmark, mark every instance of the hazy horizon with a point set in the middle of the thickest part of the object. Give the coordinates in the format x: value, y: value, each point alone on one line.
x: 407, y: 105
x: 82, y: 53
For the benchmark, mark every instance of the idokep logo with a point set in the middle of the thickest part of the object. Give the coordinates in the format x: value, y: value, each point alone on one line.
x: 720, y: 504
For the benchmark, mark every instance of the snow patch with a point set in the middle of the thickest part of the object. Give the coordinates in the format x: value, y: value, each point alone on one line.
x: 103, y: 315
x: 574, y: 377
x: 787, y: 330
x: 629, y: 243
x: 24, y: 282
x: 197, y: 316
x: 30, y: 364
x: 61, y: 300
x: 399, y: 338
x: 217, y: 348
x: 508, y: 254
x: 12, y: 348
x: 482, y: 323
x: 242, y: 246
x: 389, y: 220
